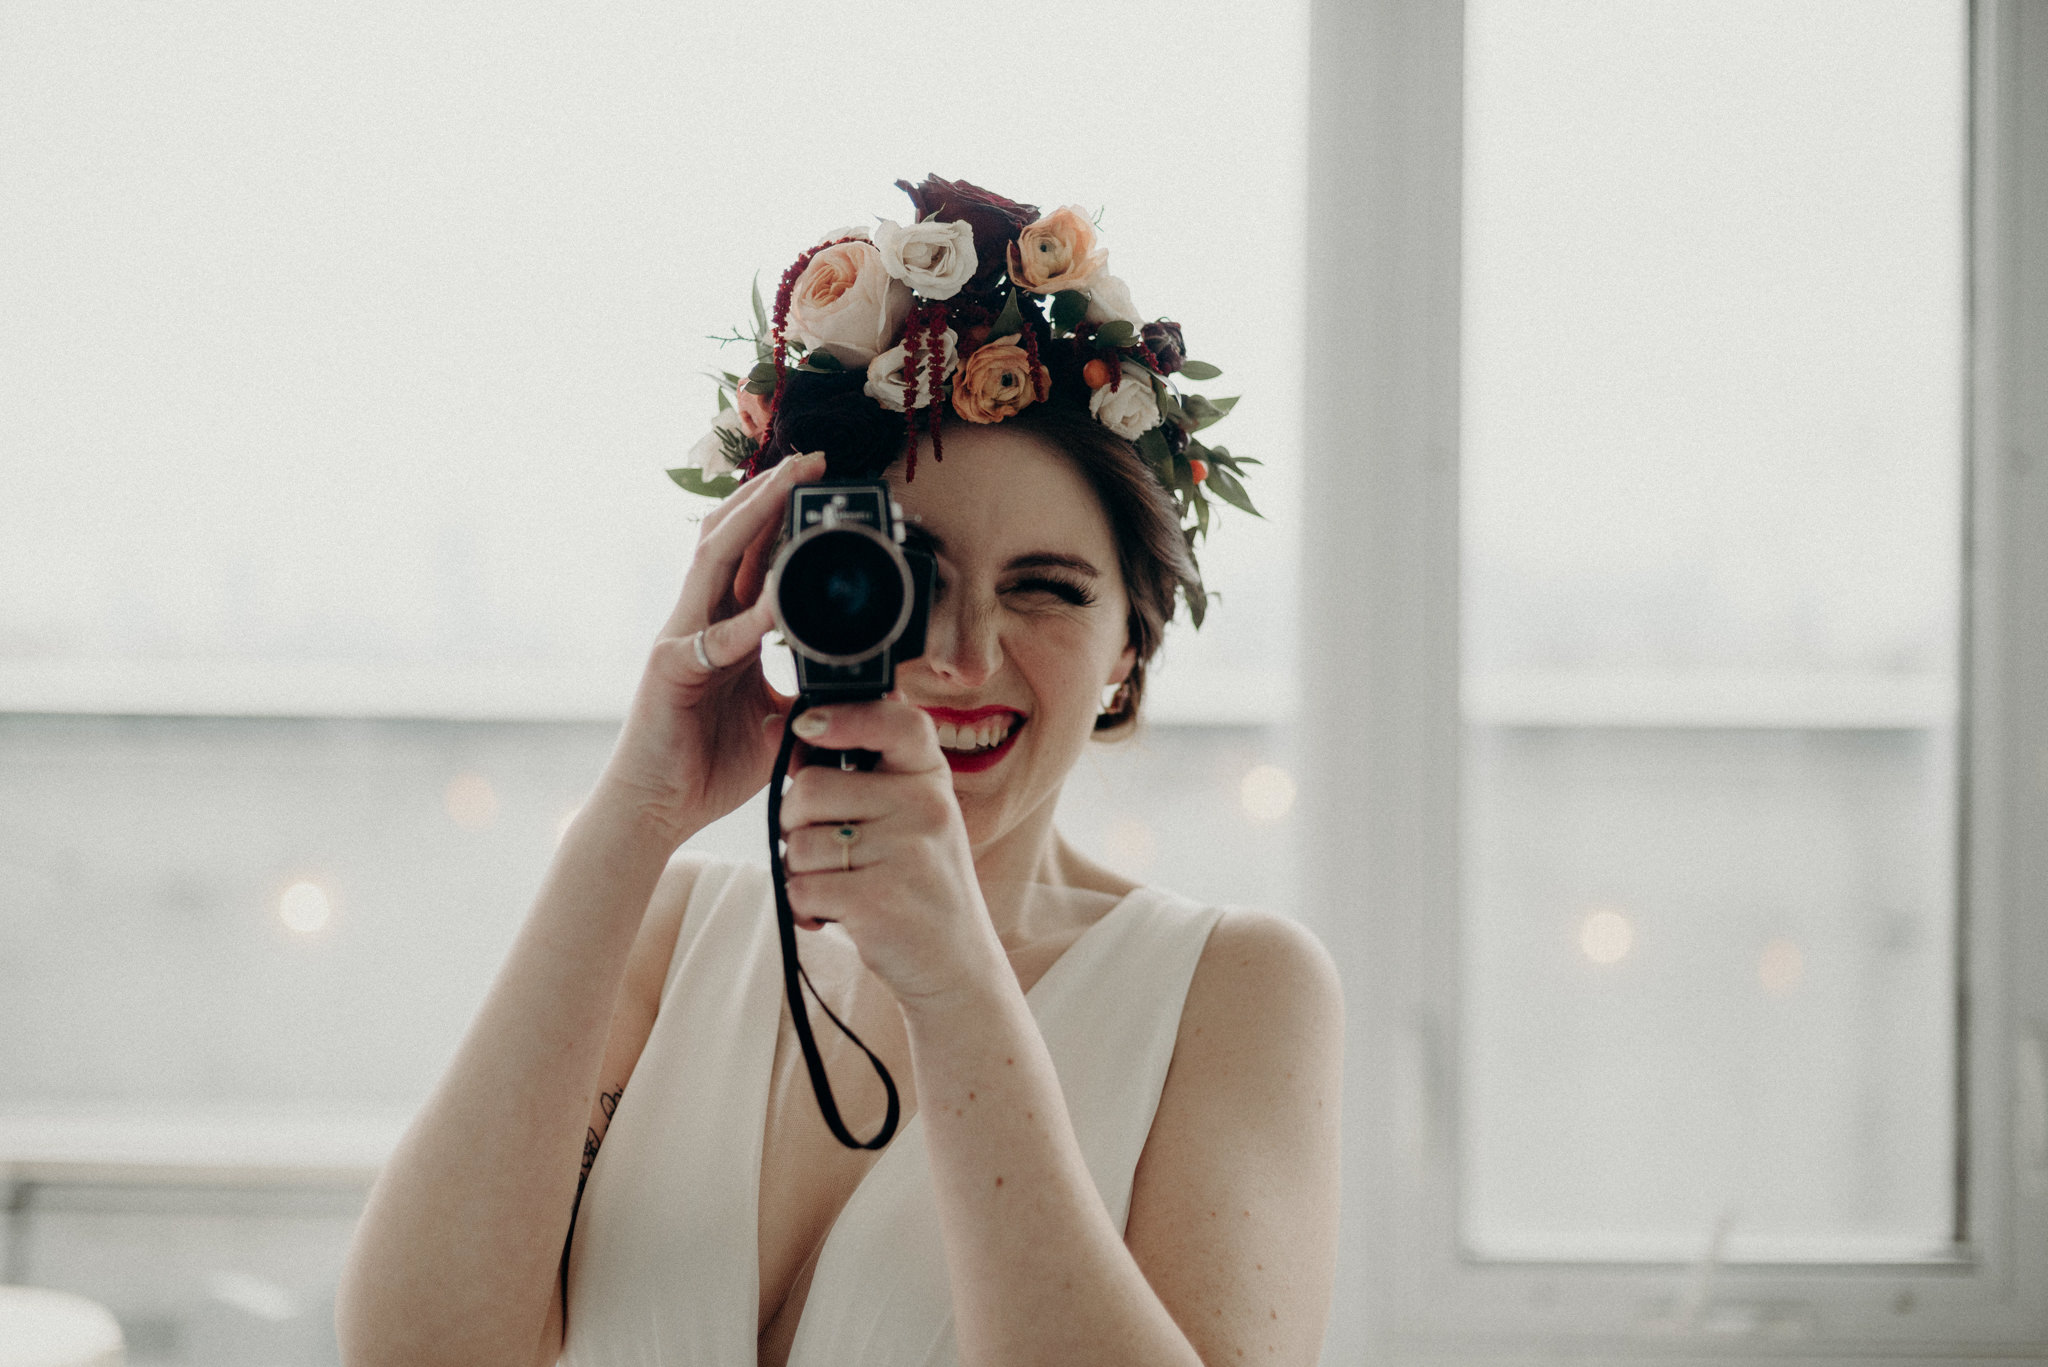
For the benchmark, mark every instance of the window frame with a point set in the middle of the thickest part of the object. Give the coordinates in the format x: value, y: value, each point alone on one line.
x: 1380, y: 672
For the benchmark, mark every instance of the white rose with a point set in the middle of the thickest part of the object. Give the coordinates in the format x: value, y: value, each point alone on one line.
x: 709, y: 454
x: 935, y: 259
x: 1131, y: 409
x: 1109, y: 301
x: 885, y: 373
x: 845, y: 303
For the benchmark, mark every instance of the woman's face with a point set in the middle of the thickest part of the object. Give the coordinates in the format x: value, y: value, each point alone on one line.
x: 1029, y: 618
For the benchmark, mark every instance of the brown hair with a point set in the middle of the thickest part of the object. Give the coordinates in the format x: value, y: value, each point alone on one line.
x: 1151, y: 552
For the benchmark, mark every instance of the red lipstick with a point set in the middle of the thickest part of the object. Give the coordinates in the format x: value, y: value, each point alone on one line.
x: 963, y: 763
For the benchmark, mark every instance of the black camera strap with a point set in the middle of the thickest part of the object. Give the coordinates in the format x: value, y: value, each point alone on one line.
x: 793, y: 969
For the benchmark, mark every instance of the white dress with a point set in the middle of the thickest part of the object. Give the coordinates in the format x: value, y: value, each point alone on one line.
x: 664, y: 1267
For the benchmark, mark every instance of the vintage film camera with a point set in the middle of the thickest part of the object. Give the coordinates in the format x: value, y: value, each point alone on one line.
x: 849, y: 599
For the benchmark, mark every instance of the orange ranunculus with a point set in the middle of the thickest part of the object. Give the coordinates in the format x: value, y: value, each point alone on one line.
x: 1058, y: 252
x: 995, y: 382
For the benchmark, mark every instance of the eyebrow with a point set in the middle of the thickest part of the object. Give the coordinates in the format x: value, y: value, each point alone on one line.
x: 924, y: 539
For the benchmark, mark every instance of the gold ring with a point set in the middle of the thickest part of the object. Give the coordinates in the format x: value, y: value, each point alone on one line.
x: 846, y: 833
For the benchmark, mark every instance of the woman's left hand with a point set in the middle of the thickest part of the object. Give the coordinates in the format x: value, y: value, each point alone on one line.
x: 911, y: 901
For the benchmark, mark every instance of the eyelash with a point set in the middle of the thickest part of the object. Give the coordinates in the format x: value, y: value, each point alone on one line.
x: 1075, y: 594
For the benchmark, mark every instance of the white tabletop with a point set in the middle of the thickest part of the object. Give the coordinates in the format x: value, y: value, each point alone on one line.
x: 44, y: 1328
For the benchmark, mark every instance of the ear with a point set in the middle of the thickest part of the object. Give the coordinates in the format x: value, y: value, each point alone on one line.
x: 1124, y: 664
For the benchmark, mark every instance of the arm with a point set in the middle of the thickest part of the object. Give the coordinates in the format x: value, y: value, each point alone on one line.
x: 1232, y: 1233
x: 457, y: 1255
x: 457, y: 1258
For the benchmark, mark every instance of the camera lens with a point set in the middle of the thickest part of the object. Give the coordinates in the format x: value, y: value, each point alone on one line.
x: 843, y: 594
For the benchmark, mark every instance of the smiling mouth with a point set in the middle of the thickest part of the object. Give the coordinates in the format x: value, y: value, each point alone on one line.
x: 974, y: 741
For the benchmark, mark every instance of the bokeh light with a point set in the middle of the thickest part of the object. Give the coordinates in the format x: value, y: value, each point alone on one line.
x: 1780, y: 967
x: 1266, y: 795
x: 1606, y: 937
x: 471, y: 801
x: 305, y: 907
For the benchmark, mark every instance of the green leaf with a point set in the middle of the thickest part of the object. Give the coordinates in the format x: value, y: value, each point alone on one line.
x: 760, y: 313
x: 1206, y: 412
x: 1201, y: 511
x: 723, y: 402
x: 1229, y: 490
x: 1198, y: 603
x: 1069, y: 307
x: 1199, y: 370
x: 822, y: 361
x: 718, y: 486
x: 1152, y: 446
x: 1010, y: 320
x: 1115, y: 334
x: 763, y: 372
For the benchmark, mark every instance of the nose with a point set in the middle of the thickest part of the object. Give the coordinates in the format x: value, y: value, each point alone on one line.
x: 962, y: 644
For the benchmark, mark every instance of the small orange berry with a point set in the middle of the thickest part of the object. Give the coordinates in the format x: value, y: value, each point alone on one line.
x: 1096, y: 373
x: 1200, y: 468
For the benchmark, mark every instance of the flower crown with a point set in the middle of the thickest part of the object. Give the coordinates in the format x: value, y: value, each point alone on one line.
x: 981, y: 303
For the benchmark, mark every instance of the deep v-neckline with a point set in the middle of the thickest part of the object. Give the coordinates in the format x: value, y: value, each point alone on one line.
x: 807, y: 1273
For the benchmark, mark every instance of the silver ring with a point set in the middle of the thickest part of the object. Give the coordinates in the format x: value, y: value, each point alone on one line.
x: 846, y: 833
x: 697, y: 645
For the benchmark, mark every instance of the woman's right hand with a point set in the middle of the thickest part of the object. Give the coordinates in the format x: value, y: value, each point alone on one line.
x: 697, y: 743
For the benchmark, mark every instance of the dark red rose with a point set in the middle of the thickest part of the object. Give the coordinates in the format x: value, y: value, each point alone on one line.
x: 829, y: 413
x: 996, y: 221
x: 1163, y: 344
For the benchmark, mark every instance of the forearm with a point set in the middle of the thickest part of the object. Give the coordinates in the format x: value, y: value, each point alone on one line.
x: 456, y: 1253
x: 1039, y: 1273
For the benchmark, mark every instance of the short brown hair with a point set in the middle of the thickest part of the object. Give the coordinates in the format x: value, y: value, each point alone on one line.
x: 1151, y: 552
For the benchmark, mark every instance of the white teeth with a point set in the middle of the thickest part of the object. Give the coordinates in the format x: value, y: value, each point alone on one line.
x: 984, y: 735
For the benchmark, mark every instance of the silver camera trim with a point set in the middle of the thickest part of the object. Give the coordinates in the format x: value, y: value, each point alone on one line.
x: 773, y: 588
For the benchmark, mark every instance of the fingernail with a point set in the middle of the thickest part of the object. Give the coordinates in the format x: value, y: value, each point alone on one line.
x: 811, y: 725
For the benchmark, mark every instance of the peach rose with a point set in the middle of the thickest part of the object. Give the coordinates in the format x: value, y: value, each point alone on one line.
x: 995, y: 382
x: 845, y: 303
x: 1058, y: 252
x: 753, y: 410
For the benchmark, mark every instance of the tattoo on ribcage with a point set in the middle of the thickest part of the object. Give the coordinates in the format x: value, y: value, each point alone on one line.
x: 608, y: 1102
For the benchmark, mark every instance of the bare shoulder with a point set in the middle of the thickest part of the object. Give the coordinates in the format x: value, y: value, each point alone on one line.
x: 1234, y: 1202
x: 1262, y: 975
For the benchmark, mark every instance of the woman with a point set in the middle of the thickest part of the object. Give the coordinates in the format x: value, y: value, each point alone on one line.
x: 1135, y: 1162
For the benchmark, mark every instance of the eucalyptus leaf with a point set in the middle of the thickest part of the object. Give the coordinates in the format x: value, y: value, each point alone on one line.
x: 1202, y: 509
x: 1116, y: 333
x: 1198, y: 603
x: 717, y: 486
x: 762, y: 388
x: 760, y: 313
x: 1199, y: 370
x: 1069, y: 307
x: 764, y: 370
x: 723, y: 402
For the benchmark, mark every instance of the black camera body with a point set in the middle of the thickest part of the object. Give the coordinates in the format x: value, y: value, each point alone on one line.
x: 849, y: 599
